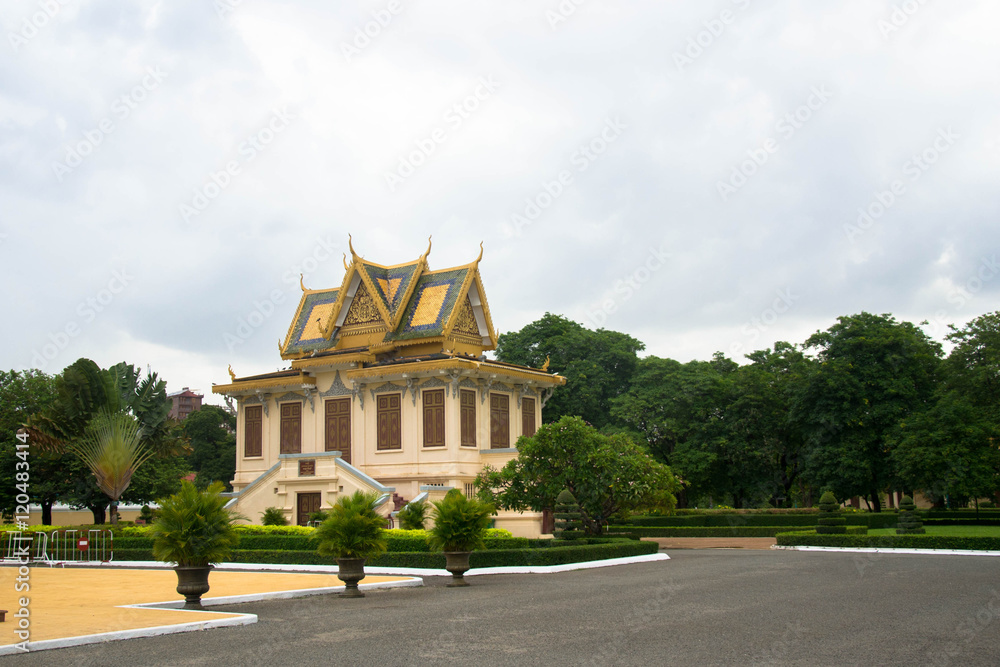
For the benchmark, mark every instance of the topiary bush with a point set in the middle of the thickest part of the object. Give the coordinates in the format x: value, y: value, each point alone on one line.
x: 460, y: 523
x: 831, y: 520
x: 413, y: 515
x: 353, y: 528
x: 568, y: 520
x: 273, y: 516
x: 909, y: 520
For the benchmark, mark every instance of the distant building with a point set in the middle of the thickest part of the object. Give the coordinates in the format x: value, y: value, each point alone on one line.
x: 184, y: 403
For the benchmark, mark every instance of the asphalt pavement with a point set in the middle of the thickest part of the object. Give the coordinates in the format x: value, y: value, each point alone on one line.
x: 711, y: 607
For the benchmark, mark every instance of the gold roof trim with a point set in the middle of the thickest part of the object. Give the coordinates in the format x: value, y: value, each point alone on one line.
x: 264, y: 383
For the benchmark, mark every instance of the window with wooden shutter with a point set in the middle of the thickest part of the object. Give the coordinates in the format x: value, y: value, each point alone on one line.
x: 499, y: 421
x: 338, y: 427
x: 291, y: 428
x: 389, y: 421
x: 467, y: 402
x: 253, y: 427
x: 528, y: 416
x: 433, y: 400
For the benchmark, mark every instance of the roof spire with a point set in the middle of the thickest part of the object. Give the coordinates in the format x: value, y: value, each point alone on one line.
x: 350, y: 245
x: 302, y: 284
x: 423, y: 257
x: 479, y: 259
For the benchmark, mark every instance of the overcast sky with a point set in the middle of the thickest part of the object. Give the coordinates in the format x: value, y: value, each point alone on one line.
x: 692, y: 173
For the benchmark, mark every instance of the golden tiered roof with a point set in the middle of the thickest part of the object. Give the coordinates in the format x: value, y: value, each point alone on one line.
x: 377, y: 310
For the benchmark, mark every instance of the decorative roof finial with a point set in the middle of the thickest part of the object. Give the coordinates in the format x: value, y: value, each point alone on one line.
x: 478, y: 259
x: 545, y: 366
x: 428, y: 251
x: 346, y: 267
x: 302, y: 284
x: 281, y: 347
x: 232, y: 375
x: 351, y: 246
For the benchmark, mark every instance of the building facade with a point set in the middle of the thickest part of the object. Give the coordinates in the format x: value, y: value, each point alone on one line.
x: 389, y: 391
x: 183, y: 403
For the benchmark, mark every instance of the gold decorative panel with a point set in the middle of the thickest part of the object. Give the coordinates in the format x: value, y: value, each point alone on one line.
x: 363, y: 309
x: 466, y: 322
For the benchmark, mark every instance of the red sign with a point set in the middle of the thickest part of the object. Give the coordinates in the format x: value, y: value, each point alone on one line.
x: 82, y: 544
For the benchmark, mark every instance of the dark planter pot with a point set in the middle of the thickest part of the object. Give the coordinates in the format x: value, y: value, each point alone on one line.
x: 192, y: 583
x: 457, y: 562
x: 351, y: 571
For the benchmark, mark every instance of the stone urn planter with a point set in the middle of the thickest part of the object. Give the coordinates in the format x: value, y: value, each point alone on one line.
x: 457, y: 562
x: 351, y: 571
x: 192, y: 583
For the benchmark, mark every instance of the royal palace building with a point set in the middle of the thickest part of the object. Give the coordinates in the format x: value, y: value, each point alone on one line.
x: 388, y: 390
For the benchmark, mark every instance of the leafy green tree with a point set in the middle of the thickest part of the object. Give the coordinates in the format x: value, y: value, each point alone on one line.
x: 872, y: 373
x: 211, y: 433
x: 598, y: 365
x: 973, y: 367
x: 763, y: 445
x: 83, y: 391
x: 23, y: 393
x: 607, y: 475
x: 949, y: 450
x: 678, y: 408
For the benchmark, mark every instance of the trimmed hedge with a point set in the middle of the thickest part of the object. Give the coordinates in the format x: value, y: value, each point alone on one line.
x: 809, y: 538
x: 552, y: 555
x: 302, y: 543
x: 735, y: 531
x: 794, y: 521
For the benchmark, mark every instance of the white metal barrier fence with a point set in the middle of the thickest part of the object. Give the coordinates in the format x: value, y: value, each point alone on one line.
x: 69, y: 545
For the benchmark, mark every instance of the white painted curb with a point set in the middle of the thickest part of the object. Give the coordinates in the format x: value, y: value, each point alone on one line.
x: 396, y: 571
x: 887, y: 550
x: 99, y: 638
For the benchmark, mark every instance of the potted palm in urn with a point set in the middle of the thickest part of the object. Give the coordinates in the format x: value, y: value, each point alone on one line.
x: 194, y: 530
x: 460, y: 525
x: 352, y: 533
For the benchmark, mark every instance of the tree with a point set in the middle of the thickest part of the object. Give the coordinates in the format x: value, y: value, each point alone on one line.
x: 23, y: 393
x: 763, y: 444
x: 606, y: 474
x: 872, y: 373
x: 973, y: 367
x: 678, y: 409
x: 112, y: 448
x: 83, y: 391
x: 211, y: 433
x: 598, y: 365
x: 949, y: 451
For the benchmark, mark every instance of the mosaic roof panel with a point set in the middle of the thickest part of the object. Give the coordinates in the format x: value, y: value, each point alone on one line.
x: 392, y: 283
x: 306, y: 335
x: 433, y: 300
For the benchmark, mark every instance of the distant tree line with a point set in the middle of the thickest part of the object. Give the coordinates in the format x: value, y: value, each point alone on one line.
x: 868, y: 407
x: 58, y: 410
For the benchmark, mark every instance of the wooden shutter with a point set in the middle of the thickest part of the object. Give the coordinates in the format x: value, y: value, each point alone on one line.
x: 528, y: 416
x: 338, y: 427
x: 499, y: 421
x: 468, y: 417
x: 433, y: 400
x: 291, y: 428
x: 253, y: 427
x: 388, y: 422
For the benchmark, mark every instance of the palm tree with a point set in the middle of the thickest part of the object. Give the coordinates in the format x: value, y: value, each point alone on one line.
x: 112, y: 448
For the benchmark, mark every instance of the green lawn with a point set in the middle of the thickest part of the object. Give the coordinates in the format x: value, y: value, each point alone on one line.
x: 951, y: 531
